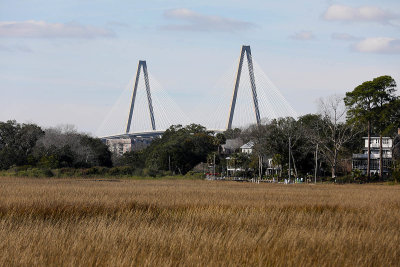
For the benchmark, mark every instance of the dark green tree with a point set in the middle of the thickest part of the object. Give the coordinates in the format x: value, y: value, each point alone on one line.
x: 360, y: 104
x: 385, y: 108
x: 374, y: 103
x: 232, y: 133
x: 17, y: 142
x: 180, y: 149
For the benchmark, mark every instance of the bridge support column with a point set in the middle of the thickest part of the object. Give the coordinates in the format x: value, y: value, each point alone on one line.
x: 142, y: 64
x: 245, y: 49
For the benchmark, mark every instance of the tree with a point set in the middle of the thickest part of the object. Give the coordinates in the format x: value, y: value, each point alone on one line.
x: 312, y: 125
x: 284, y: 138
x: 396, y: 157
x: 277, y: 163
x: 71, y: 149
x: 232, y: 133
x: 17, y: 142
x: 219, y: 139
x: 374, y: 102
x: 360, y: 105
x: 335, y: 132
x: 180, y: 148
x: 258, y: 135
x: 385, y: 104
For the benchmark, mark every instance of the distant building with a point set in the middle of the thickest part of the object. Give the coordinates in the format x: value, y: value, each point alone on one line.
x: 360, y: 161
x: 247, y: 148
x: 271, y: 169
x: 231, y: 167
x: 120, y: 146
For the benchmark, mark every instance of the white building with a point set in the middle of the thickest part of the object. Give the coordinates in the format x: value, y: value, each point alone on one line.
x: 360, y: 161
x: 271, y: 169
x: 120, y: 146
x: 247, y: 148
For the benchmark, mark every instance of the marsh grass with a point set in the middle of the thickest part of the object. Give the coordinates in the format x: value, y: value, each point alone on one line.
x: 71, y: 222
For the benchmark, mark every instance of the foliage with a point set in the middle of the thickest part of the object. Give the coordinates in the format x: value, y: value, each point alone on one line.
x: 17, y: 142
x: 375, y: 103
x: 28, y: 144
x: 64, y: 147
x: 232, y: 133
x: 180, y: 149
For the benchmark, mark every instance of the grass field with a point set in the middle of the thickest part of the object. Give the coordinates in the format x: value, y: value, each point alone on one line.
x: 71, y: 222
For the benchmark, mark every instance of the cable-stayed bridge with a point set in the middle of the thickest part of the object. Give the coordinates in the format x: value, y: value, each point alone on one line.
x: 151, y: 110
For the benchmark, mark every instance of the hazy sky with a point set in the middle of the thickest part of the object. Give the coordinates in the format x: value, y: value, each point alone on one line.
x: 68, y: 61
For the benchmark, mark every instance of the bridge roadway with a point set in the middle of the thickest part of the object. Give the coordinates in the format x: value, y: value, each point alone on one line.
x: 144, y: 135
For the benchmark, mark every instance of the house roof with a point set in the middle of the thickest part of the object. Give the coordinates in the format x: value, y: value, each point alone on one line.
x: 248, y: 145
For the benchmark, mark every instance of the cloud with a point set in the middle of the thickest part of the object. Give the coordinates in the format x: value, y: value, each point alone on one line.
x: 303, y: 36
x: 15, y: 48
x: 198, y: 22
x: 114, y: 23
x: 42, y: 29
x: 364, y: 13
x: 344, y: 37
x: 382, y: 45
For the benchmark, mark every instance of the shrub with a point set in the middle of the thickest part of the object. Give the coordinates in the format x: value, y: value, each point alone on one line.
x: 65, y: 172
x: 122, y: 170
x: 150, y: 172
x: 94, y: 171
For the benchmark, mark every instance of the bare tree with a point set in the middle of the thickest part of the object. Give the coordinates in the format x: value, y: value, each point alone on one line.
x: 335, y: 132
x: 66, y: 136
x: 258, y: 134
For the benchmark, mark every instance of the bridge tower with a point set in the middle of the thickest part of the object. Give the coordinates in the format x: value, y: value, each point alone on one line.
x: 245, y: 50
x: 142, y: 65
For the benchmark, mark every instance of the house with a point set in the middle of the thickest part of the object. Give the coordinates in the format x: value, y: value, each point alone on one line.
x: 247, y: 148
x: 231, y: 167
x: 271, y: 168
x: 360, y: 161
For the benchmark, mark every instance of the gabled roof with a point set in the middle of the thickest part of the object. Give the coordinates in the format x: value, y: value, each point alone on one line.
x: 248, y: 145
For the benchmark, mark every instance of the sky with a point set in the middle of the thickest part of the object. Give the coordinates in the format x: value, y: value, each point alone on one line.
x: 68, y: 62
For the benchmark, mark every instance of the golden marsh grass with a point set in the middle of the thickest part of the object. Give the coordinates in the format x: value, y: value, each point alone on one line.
x: 71, y: 222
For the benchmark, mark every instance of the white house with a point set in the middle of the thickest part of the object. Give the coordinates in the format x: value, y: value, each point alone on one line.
x: 271, y: 169
x: 360, y: 160
x: 247, y: 148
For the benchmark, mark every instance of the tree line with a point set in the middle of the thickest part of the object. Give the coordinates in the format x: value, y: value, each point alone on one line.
x: 31, y: 146
x: 312, y: 145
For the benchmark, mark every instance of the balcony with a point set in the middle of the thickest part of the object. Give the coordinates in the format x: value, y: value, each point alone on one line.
x: 373, y: 156
x: 375, y: 145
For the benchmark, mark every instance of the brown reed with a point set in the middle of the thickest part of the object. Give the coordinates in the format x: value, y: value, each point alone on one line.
x: 72, y: 222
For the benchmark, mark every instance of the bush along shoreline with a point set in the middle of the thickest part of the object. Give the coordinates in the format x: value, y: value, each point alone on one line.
x: 94, y: 172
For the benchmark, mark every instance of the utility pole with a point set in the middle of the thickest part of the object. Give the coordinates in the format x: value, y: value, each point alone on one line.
x: 316, y: 164
x: 214, y: 166
x: 289, y: 158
